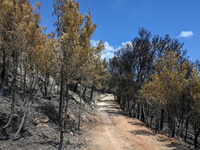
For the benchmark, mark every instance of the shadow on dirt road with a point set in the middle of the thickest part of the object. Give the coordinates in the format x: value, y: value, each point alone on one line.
x: 116, y: 131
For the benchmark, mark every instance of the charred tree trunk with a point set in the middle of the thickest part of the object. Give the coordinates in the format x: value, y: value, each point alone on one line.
x: 151, y: 121
x: 157, y: 122
x: 91, y: 96
x: 145, y: 116
x: 61, y: 98
x: 46, y: 84
x: 196, y: 138
x: 162, y: 119
x: 24, y: 86
x: 129, y: 110
x: 80, y: 110
x: 76, y: 86
x: 179, y: 125
x: 118, y: 99
x: 142, y: 115
x: 22, y: 122
x: 138, y: 110
x: 186, y: 126
x: 84, y: 93
x: 61, y: 137
x: 182, y: 128
x: 60, y: 115
x: 123, y: 103
x: 21, y: 77
x: 66, y: 105
x: 133, y: 107
x: 3, y: 73
x: 173, y: 129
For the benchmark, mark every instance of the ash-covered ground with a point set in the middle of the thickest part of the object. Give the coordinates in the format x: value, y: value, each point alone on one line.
x: 41, y: 130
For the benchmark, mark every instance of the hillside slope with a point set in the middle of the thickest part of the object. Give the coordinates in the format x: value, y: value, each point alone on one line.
x: 40, y: 130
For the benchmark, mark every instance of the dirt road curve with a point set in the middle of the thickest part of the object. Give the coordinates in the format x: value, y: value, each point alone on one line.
x: 119, y: 132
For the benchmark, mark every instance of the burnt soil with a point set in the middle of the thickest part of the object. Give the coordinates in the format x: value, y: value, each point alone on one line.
x: 103, y: 126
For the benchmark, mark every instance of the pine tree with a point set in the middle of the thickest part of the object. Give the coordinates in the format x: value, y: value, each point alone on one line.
x: 22, y: 46
x: 195, y: 103
x: 74, y: 32
x: 167, y: 85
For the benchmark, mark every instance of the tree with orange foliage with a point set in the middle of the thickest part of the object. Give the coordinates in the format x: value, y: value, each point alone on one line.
x: 167, y: 85
x: 22, y: 45
x: 74, y: 33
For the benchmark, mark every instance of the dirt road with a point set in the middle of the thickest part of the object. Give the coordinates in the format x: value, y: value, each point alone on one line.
x: 115, y: 131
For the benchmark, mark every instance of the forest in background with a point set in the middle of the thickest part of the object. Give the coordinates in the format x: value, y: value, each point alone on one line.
x: 151, y: 77
x: 154, y: 81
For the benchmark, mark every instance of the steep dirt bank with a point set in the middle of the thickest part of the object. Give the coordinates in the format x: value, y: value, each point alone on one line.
x: 115, y: 131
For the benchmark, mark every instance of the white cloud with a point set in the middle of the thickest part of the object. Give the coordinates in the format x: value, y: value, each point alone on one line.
x: 108, y: 47
x: 109, y: 50
x: 124, y: 43
x: 186, y: 34
x: 107, y: 55
x: 94, y: 43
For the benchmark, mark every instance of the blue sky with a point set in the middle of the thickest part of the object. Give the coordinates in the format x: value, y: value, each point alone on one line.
x: 118, y: 21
